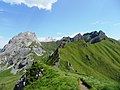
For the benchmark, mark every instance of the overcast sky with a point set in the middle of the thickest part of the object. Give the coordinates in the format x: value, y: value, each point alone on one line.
x: 57, y: 18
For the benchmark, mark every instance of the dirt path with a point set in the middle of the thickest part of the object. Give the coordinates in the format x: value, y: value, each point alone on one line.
x: 83, y: 87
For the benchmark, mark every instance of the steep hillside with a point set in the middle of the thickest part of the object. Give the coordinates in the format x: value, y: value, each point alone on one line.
x: 101, y: 60
x: 8, y: 80
x: 50, y: 78
x: 49, y: 47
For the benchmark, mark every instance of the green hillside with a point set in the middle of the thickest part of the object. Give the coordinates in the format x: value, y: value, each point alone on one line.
x: 101, y: 60
x: 49, y: 46
x: 55, y: 79
x: 8, y: 80
x: 97, y: 65
x: 52, y: 79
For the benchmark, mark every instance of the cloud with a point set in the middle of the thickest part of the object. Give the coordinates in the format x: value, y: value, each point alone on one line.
x: 41, y: 4
x: 59, y: 33
x: 2, y: 11
x: 96, y: 22
x: 116, y: 24
x: 99, y: 23
x: 3, y: 41
x: 74, y: 34
x: 41, y: 39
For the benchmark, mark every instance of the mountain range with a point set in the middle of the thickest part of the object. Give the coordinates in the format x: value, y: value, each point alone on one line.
x: 85, y: 62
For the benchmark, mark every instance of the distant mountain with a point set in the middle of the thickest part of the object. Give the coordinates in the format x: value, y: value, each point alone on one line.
x: 90, y: 38
x: 48, y: 39
x: 17, y: 53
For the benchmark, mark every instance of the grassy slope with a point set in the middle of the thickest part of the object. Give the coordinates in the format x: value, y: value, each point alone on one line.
x: 49, y: 46
x: 53, y: 79
x: 8, y: 80
x: 98, y: 65
x: 101, y: 60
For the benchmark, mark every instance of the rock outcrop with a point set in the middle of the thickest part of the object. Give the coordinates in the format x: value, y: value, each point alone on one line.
x: 54, y: 58
x: 21, y: 83
x: 94, y: 37
x: 77, y: 37
x: 17, y: 53
x: 90, y: 38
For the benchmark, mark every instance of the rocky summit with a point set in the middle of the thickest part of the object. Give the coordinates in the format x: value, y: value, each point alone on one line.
x: 94, y: 37
x: 17, y: 53
x: 89, y: 38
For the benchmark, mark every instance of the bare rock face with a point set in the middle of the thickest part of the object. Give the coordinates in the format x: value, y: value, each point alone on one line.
x: 77, y: 37
x: 94, y: 37
x: 90, y: 38
x: 0, y: 49
x: 17, y: 53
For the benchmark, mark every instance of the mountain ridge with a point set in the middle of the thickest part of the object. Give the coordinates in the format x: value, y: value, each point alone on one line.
x: 89, y: 38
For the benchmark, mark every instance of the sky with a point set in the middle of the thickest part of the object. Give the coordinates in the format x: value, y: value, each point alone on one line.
x: 58, y: 18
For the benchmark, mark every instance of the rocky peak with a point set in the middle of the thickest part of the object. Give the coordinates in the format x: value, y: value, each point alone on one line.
x: 91, y: 38
x: 66, y: 39
x: 26, y: 36
x: 94, y: 37
x: 69, y: 39
x: 21, y: 40
x: 77, y: 37
x: 94, y: 34
x: 17, y: 53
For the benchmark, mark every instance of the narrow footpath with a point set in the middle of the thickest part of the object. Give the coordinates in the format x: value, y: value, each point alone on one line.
x: 83, y: 87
